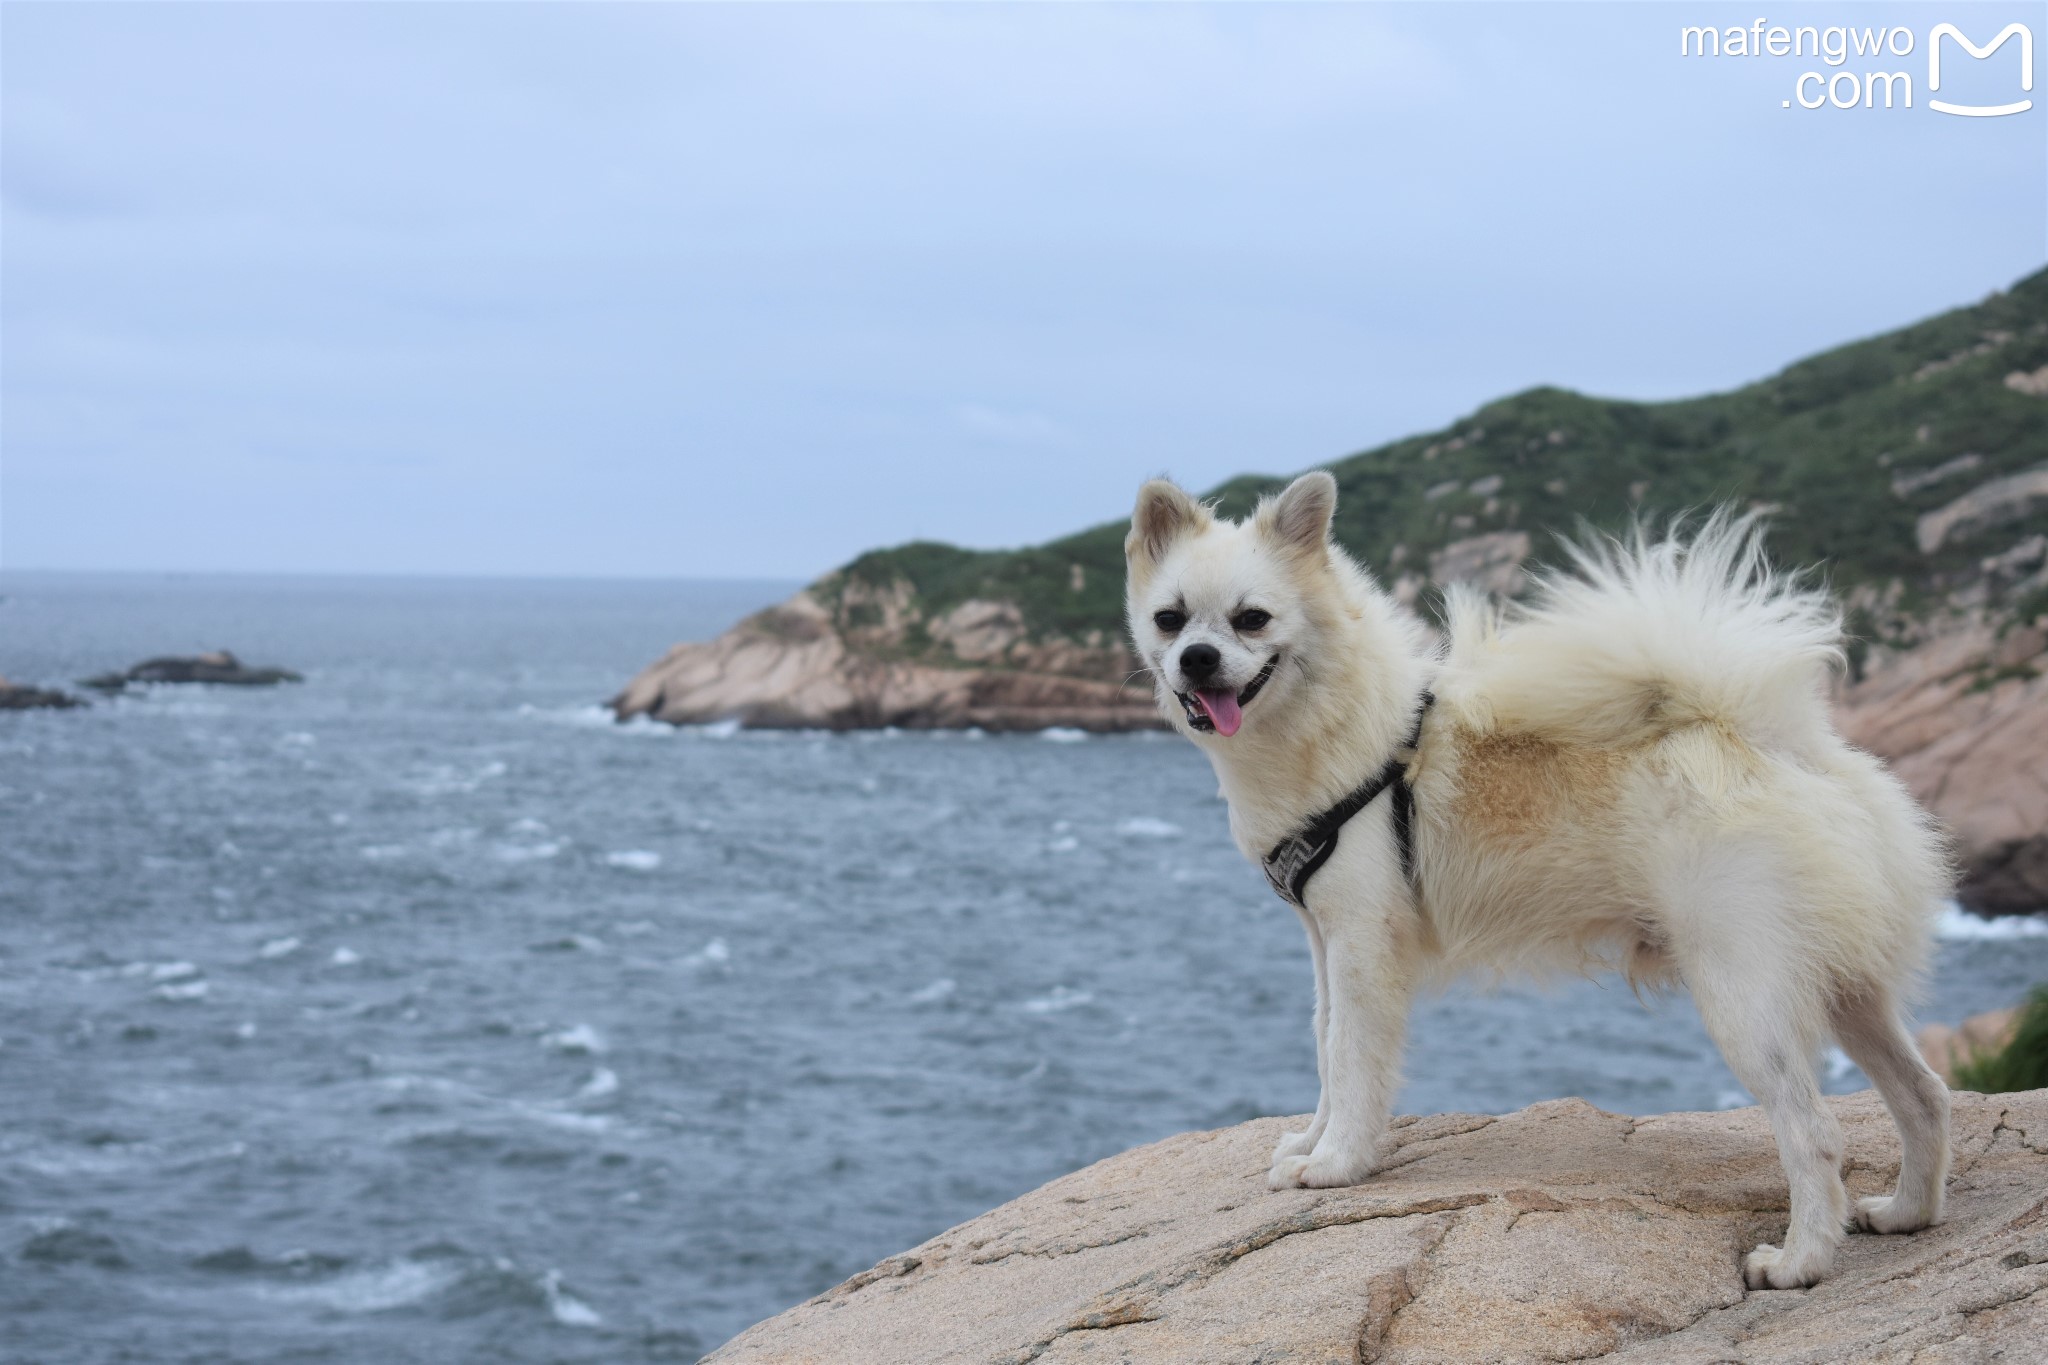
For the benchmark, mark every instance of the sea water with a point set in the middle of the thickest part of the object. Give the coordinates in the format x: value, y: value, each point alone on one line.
x: 418, y: 1012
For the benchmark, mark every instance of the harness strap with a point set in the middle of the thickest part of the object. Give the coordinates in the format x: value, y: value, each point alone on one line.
x: 1298, y: 857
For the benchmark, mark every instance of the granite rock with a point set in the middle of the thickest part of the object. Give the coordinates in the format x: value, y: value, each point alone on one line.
x: 1558, y: 1232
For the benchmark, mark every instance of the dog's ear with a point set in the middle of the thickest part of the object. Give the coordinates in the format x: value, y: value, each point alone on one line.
x: 1299, y: 519
x: 1164, y: 513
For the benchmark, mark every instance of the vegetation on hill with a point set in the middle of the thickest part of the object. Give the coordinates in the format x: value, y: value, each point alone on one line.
x: 1849, y: 448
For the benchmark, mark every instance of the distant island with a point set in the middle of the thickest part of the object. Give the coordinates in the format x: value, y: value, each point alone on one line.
x: 217, y: 666
x: 1911, y: 467
x: 18, y: 697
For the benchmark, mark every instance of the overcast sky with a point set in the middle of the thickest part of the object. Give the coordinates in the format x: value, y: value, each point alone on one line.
x: 724, y: 291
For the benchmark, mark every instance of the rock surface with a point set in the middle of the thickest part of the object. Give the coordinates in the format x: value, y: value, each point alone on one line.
x: 1555, y: 1233
x: 218, y: 666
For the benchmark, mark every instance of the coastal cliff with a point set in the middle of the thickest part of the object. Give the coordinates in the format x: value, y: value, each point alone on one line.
x: 1912, y: 468
x: 1558, y: 1232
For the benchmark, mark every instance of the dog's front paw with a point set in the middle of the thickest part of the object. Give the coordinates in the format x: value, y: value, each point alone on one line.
x: 1886, y: 1213
x: 1294, y: 1144
x: 1768, y: 1267
x: 1319, y: 1170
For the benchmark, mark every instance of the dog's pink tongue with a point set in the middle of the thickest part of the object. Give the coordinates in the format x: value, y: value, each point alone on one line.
x: 1223, y: 711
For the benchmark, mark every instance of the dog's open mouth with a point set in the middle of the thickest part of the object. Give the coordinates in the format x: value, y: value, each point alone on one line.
x: 1223, y: 712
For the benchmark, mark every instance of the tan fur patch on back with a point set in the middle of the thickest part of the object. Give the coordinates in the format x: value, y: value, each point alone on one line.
x: 1513, y: 786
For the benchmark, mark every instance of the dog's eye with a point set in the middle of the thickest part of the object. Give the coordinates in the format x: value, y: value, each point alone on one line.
x: 1169, y: 621
x: 1251, y: 620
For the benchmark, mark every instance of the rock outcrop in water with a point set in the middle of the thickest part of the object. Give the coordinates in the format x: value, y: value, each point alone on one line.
x: 1555, y: 1233
x: 217, y: 666
x: 16, y: 697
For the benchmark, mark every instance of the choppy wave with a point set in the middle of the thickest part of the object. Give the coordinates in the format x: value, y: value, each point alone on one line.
x: 634, y: 859
x: 1958, y: 925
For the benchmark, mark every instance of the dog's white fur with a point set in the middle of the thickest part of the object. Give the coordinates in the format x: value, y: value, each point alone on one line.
x: 1636, y: 768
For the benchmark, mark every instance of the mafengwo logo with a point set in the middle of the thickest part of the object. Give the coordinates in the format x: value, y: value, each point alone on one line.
x: 1855, y: 59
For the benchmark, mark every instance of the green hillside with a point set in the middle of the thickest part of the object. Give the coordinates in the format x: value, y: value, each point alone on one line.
x: 1834, y: 443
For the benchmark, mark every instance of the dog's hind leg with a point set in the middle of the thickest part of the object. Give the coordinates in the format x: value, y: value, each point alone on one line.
x: 1870, y: 1030
x: 1771, y: 1053
x: 1736, y: 941
x: 1304, y: 1142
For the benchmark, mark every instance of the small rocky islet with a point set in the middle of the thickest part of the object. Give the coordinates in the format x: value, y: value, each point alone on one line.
x: 20, y: 697
x: 218, y: 666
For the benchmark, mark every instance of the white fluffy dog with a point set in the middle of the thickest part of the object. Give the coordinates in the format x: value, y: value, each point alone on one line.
x: 1636, y: 769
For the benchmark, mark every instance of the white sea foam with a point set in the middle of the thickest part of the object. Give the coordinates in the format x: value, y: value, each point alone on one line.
x: 1958, y: 925
x: 182, y: 991
x: 577, y: 1039
x: 938, y: 990
x: 1734, y: 1099
x: 603, y: 1081
x: 1060, y: 998
x: 712, y: 954
x: 527, y: 825
x: 528, y: 853
x: 345, y: 957
x: 634, y: 859
x: 717, y: 729
x: 279, y: 947
x: 1061, y: 734
x: 381, y: 852
x: 563, y: 1118
x: 446, y: 779
x: 1064, y: 844
x: 565, y: 1307
x: 172, y: 971
x: 378, y: 1289
x: 1836, y: 1064
x: 1146, y: 827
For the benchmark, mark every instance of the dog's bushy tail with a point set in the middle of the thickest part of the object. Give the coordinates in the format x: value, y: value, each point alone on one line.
x: 1640, y: 636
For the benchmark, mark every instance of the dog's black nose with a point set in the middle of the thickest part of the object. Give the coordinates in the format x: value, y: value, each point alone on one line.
x: 1198, y: 662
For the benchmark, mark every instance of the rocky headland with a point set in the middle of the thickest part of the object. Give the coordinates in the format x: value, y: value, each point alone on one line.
x: 1912, y: 468
x: 1558, y: 1232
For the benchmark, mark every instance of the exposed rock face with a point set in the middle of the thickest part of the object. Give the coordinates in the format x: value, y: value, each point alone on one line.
x: 2012, y: 498
x: 1963, y: 720
x: 15, y: 697
x: 791, y: 666
x: 1556, y: 1233
x: 217, y: 666
x: 1492, y: 561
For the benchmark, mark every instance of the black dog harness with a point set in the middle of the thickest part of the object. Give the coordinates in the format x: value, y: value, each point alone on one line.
x: 1301, y: 854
